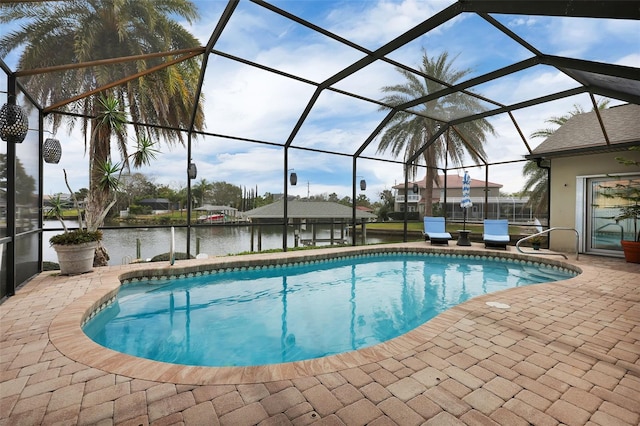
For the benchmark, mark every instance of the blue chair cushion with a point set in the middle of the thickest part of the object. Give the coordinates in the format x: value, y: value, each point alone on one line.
x: 500, y: 238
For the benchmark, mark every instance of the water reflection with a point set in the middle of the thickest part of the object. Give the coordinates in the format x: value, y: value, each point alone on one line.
x: 274, y: 315
x: 213, y: 240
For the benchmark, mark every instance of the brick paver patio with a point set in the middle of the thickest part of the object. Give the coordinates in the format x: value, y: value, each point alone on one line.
x: 562, y: 353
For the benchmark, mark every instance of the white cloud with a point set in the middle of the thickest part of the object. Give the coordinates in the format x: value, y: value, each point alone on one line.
x: 247, y: 102
x: 574, y: 36
x: 631, y: 60
x: 527, y: 21
x: 368, y: 81
x: 532, y: 83
x: 622, y: 29
x: 382, y: 21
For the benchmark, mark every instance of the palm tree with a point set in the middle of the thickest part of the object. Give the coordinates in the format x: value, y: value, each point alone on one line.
x: 536, y: 177
x: 536, y: 181
x: 59, y: 33
x: 201, y: 190
x: 406, y: 133
x: 559, y: 121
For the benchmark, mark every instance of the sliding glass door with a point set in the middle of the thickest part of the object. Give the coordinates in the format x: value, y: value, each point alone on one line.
x: 603, y: 208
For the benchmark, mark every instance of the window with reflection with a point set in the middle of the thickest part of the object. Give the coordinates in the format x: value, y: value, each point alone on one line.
x: 611, y: 200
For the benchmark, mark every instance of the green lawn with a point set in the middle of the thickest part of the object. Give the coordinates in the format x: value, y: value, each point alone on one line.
x: 70, y: 214
x: 181, y: 217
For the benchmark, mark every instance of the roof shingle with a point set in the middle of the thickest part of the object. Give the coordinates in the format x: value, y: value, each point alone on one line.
x: 583, y: 131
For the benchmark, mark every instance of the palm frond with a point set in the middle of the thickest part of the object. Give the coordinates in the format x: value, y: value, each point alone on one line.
x: 407, y: 134
x: 145, y: 152
x: 109, y: 176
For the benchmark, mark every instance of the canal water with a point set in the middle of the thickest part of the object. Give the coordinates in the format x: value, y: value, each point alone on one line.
x: 216, y: 240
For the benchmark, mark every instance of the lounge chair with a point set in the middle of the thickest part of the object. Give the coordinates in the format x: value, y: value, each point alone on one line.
x: 434, y: 230
x: 496, y: 233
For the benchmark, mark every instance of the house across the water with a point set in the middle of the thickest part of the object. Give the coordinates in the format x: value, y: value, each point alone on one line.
x: 485, y: 196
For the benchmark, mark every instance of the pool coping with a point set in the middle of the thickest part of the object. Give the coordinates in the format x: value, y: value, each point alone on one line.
x: 67, y: 336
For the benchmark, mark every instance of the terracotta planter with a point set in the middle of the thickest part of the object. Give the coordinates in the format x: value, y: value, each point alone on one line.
x: 75, y: 259
x: 631, y: 251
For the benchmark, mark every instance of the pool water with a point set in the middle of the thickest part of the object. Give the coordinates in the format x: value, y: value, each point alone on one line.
x: 290, y: 313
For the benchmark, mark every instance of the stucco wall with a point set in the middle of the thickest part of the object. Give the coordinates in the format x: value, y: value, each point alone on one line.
x: 563, y: 189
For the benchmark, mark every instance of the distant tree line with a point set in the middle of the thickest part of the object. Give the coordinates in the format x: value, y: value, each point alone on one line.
x: 136, y: 187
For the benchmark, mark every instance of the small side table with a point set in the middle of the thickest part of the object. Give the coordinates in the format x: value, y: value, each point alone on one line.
x: 463, y: 238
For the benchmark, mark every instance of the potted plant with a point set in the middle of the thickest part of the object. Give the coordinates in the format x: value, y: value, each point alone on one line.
x: 629, y: 192
x: 536, y: 241
x: 76, y: 248
x: 104, y: 178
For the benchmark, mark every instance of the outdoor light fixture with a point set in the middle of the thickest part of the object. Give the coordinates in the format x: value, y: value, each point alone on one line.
x: 363, y: 183
x: 14, y: 123
x: 415, y: 188
x: 192, y: 171
x: 51, y: 151
x: 293, y: 178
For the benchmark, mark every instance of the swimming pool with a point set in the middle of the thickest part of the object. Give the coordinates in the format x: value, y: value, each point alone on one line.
x: 245, y: 316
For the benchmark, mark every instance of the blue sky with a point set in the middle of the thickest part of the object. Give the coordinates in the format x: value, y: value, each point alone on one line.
x: 251, y: 103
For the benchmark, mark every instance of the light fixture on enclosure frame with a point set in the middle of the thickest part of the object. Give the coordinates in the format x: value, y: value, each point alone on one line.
x: 416, y: 188
x: 363, y: 184
x: 293, y: 178
x: 51, y: 150
x: 14, y: 122
x: 192, y: 171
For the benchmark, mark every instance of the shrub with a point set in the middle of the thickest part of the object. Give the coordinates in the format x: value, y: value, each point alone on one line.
x: 138, y: 209
x: 400, y: 215
x: 77, y: 236
x: 538, y: 239
x: 165, y: 257
x: 50, y: 266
